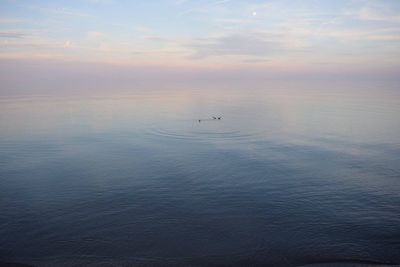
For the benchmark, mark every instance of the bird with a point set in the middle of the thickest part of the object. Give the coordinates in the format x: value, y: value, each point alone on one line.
x: 219, y: 118
x: 214, y: 118
x: 199, y: 120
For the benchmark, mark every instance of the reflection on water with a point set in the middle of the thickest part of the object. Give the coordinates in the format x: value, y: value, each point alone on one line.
x: 292, y: 174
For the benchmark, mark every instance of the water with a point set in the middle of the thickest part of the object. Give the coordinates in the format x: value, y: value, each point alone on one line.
x: 293, y: 174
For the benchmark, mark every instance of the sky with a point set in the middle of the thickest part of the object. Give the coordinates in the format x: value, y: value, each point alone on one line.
x: 233, y: 37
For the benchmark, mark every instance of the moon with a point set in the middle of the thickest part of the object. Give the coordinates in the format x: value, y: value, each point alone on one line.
x: 254, y: 13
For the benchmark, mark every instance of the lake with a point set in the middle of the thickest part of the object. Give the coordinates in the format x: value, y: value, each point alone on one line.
x: 294, y: 173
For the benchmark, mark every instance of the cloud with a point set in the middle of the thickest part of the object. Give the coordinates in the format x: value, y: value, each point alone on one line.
x: 60, y: 11
x: 384, y: 34
x: 12, y: 35
x: 34, y: 46
x: 241, y: 44
x: 67, y: 44
x: 383, y: 11
x: 215, y: 32
x: 376, y: 15
x: 255, y: 60
x: 11, y: 20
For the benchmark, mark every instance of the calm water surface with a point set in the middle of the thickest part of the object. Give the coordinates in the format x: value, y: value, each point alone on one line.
x: 292, y: 174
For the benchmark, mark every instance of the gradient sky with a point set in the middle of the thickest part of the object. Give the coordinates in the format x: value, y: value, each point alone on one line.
x: 296, y: 36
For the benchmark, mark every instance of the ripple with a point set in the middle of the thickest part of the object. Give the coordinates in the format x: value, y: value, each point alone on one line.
x: 204, y: 131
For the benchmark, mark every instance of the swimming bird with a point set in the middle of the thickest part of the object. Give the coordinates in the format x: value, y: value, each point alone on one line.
x: 199, y: 120
x: 214, y: 118
x: 219, y: 118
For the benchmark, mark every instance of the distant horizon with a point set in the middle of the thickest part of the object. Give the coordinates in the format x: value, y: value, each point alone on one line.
x: 42, y: 77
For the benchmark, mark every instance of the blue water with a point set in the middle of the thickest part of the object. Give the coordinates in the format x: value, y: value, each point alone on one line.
x: 293, y: 174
